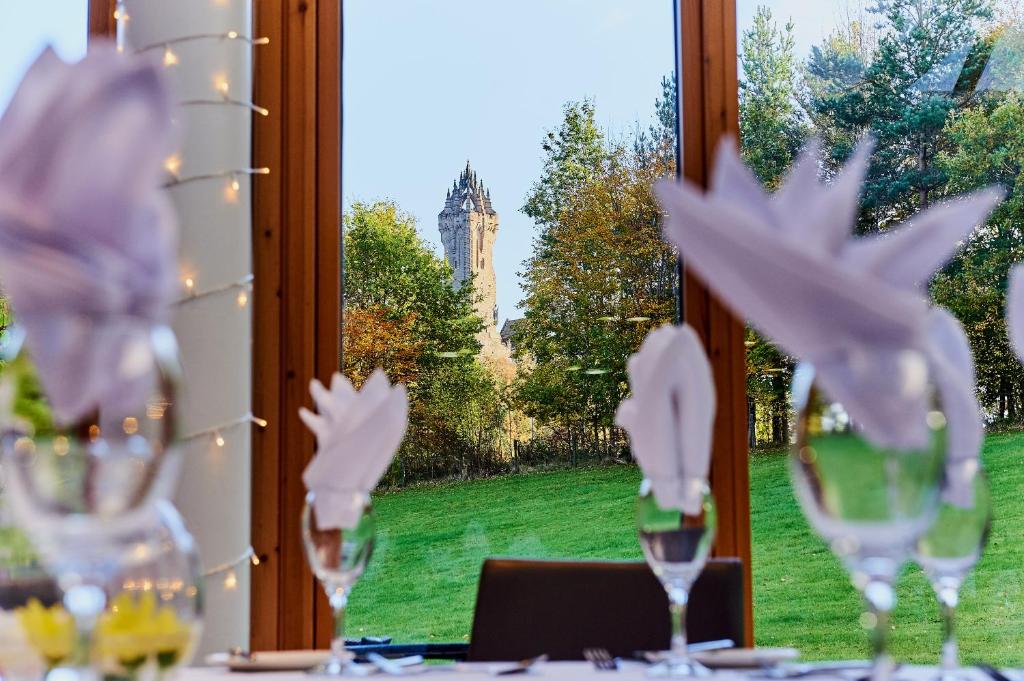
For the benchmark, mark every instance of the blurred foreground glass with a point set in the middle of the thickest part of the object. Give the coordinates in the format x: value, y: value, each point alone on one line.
x: 89, y: 496
x: 869, y: 503
x: 338, y: 558
x: 947, y: 553
x: 676, y: 547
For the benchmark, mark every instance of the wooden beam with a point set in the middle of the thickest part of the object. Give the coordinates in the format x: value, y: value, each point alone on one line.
x: 297, y: 298
x: 101, y: 18
x: 710, y: 110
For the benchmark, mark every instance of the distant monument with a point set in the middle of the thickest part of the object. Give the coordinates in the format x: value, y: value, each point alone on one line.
x: 469, y: 225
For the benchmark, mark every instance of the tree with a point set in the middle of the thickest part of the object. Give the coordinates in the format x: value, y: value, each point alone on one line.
x: 600, y: 276
x: 771, y: 128
x: 985, y: 147
x: 403, y: 314
x: 906, y: 106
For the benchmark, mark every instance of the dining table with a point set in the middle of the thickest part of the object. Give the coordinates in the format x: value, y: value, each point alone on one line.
x: 627, y: 670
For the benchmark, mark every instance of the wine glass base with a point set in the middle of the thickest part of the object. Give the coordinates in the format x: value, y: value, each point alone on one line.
x: 336, y: 667
x: 678, y: 668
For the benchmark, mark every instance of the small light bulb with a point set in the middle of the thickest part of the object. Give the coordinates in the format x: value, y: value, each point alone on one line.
x: 190, y: 284
x: 130, y: 425
x: 231, y: 581
x: 231, y: 191
x: 221, y: 85
x: 232, y: 35
x: 219, y: 440
x: 261, y: 110
x: 262, y: 423
x: 170, y: 59
x: 173, y: 164
x: 261, y: 41
x: 243, y: 299
x: 94, y: 433
x: 254, y: 559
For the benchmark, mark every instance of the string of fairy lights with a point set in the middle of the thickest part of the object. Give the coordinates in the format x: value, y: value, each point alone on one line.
x: 220, y: 95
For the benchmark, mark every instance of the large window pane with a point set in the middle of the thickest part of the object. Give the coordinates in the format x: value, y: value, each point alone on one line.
x: 502, y: 258
x: 937, y: 84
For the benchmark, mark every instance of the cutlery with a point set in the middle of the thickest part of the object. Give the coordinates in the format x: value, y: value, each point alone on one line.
x: 704, y: 646
x: 802, y: 670
x: 993, y: 673
x: 522, y: 666
x: 396, y: 667
x: 601, y: 659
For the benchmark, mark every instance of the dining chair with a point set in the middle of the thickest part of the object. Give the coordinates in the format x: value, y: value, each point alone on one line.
x: 531, y: 607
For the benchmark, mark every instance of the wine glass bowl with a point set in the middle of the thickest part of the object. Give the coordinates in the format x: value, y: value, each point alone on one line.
x: 869, y: 503
x: 338, y: 557
x: 676, y: 546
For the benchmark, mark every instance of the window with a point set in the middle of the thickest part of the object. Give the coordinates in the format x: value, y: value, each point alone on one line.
x: 938, y: 86
x: 29, y: 27
x: 503, y: 259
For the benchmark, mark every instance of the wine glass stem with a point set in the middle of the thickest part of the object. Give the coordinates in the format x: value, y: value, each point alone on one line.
x: 948, y: 598
x: 338, y: 600
x: 678, y: 599
x: 881, y: 599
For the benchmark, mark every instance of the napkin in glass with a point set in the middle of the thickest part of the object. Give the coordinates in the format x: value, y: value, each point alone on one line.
x: 357, y: 433
x: 854, y: 307
x: 670, y: 416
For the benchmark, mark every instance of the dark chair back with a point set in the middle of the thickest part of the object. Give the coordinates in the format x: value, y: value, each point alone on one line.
x: 529, y: 607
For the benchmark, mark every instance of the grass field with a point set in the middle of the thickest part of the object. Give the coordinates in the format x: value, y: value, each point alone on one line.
x: 431, y: 541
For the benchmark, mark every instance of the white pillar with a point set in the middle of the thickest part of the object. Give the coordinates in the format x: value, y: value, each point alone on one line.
x: 214, y: 331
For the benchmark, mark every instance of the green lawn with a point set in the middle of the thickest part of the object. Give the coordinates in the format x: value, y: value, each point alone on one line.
x: 431, y: 541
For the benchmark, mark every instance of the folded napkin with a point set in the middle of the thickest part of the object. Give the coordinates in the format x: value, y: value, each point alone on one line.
x: 855, y: 308
x: 670, y: 416
x: 357, y: 435
x: 1015, y: 310
x: 952, y: 368
x: 87, y: 239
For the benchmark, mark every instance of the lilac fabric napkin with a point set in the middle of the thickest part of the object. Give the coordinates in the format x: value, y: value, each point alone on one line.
x: 1015, y: 310
x: 87, y: 238
x: 670, y: 416
x: 357, y: 435
x: 855, y: 308
x: 952, y: 368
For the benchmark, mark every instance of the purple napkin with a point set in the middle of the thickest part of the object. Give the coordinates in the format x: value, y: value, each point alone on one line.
x: 670, y: 416
x: 358, y: 434
x: 87, y: 238
x: 854, y: 307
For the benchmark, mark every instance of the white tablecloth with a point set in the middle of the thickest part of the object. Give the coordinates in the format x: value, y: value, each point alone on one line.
x: 567, y: 671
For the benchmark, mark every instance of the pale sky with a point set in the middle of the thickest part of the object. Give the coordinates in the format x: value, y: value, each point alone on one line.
x: 26, y: 27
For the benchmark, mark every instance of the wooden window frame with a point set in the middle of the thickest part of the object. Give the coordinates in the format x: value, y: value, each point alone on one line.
x: 298, y: 296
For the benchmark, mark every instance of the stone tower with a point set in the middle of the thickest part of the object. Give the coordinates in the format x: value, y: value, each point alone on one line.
x: 469, y: 225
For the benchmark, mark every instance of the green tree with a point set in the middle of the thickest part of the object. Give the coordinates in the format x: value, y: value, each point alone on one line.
x: 985, y: 147
x: 907, y: 98
x: 403, y: 314
x: 600, y: 276
x: 771, y: 128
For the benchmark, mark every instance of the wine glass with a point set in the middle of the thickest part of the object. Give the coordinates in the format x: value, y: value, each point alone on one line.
x: 947, y: 553
x: 338, y: 558
x: 869, y: 503
x: 676, y: 546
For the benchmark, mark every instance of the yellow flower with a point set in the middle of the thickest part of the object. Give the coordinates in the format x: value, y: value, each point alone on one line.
x: 134, y: 628
x: 51, y: 631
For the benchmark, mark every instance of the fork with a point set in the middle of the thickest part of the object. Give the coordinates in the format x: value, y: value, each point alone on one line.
x: 601, y: 659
